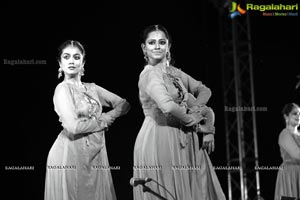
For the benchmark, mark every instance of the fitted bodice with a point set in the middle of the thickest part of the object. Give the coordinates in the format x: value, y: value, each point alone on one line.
x: 286, y: 157
x: 174, y: 90
x: 86, y: 102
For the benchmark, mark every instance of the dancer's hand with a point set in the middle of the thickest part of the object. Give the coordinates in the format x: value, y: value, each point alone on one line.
x: 209, y: 143
x: 204, y: 128
x: 197, y: 117
x: 107, y: 118
x: 196, y: 108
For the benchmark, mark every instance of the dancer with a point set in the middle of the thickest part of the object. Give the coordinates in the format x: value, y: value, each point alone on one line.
x: 167, y: 148
x: 288, y: 177
x: 77, y: 164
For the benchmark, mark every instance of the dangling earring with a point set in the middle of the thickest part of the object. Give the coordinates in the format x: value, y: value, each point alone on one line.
x: 59, y: 72
x: 287, y: 122
x: 82, y: 72
x: 146, y: 57
x: 168, y: 57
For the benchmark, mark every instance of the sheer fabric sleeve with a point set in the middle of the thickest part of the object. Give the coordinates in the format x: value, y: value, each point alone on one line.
x: 120, y: 106
x: 65, y: 108
x: 196, y: 88
x: 287, y: 142
x: 155, y: 88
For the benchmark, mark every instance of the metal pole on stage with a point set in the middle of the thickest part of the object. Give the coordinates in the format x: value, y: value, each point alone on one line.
x: 239, y: 103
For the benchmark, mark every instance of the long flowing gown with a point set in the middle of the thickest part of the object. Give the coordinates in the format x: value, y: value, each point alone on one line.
x: 166, y: 150
x: 77, y: 165
x: 288, y: 176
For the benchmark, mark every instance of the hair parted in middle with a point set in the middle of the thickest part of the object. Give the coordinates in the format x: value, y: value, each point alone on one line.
x: 157, y: 27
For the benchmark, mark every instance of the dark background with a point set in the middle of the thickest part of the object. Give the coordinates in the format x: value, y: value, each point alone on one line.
x: 110, y: 34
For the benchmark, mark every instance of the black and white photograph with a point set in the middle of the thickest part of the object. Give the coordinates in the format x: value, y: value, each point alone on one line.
x: 149, y: 100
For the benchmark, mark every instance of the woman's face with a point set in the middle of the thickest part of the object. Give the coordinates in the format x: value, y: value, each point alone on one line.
x: 156, y: 46
x: 294, y: 117
x: 71, y: 60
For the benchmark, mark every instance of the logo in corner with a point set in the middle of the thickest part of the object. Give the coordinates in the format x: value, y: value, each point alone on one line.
x: 236, y: 10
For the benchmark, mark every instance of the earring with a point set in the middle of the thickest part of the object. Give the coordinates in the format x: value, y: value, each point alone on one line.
x: 59, y: 72
x: 146, y: 57
x: 82, y: 72
x: 168, y: 57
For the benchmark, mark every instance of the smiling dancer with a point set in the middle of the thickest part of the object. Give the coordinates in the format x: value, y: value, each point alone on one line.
x: 288, y: 177
x: 167, y: 147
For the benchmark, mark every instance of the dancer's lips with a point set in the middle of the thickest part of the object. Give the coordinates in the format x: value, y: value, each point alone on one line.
x: 157, y: 52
